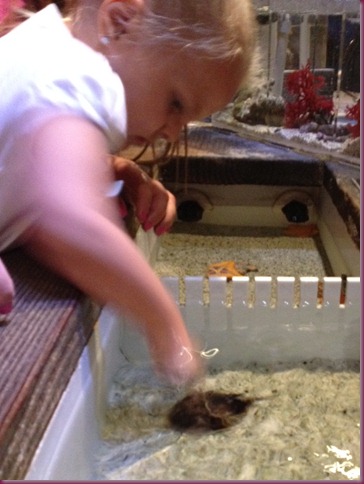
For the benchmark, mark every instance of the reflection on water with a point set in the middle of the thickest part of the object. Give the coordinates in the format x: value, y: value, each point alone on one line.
x: 304, y: 425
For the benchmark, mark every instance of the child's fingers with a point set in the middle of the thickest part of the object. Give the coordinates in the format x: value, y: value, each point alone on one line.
x: 170, y: 216
x: 180, y: 367
x: 6, y: 290
x: 123, y: 211
x: 142, y: 200
x: 156, y: 207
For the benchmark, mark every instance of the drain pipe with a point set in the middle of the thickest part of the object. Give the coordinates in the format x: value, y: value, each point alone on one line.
x: 191, y: 205
x: 295, y: 206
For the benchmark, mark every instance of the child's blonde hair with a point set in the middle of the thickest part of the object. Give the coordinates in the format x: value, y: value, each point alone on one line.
x: 218, y: 29
x: 215, y: 29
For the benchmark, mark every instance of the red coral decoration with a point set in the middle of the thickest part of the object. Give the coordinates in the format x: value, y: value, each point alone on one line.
x: 307, y: 105
x: 353, y: 112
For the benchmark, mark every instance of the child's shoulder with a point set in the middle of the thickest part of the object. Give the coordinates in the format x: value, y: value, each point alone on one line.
x: 45, y: 66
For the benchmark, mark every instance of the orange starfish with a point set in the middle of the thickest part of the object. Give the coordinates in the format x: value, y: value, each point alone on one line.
x: 225, y: 269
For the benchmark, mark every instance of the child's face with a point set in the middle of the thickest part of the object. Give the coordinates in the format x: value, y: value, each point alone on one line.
x: 164, y: 92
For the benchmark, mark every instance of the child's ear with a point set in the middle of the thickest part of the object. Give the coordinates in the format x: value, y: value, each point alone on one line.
x: 114, y: 17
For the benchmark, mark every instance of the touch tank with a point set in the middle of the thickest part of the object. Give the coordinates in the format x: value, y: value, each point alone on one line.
x: 283, y: 321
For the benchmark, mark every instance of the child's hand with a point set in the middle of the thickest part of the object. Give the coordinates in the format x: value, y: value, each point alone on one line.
x: 155, y: 207
x: 177, y: 366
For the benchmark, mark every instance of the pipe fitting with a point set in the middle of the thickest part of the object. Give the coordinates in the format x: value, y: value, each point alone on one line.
x: 191, y: 205
x: 295, y: 206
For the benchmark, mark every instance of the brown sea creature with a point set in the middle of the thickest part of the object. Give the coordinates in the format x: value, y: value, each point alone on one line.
x: 208, y: 411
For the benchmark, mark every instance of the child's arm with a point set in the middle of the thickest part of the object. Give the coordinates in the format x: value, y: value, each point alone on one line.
x: 77, y: 233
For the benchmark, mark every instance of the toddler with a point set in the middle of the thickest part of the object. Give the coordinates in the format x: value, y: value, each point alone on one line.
x: 73, y: 90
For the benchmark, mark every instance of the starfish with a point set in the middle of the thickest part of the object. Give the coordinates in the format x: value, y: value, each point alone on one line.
x: 226, y: 269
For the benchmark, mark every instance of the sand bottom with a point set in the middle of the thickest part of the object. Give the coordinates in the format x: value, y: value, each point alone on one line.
x: 304, y: 425
x: 189, y: 250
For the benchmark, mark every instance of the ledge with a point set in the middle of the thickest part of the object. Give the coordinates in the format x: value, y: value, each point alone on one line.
x: 345, y: 195
x: 219, y: 156
x: 40, y: 344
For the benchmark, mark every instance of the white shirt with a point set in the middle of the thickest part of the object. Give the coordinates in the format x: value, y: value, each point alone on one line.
x: 44, y: 72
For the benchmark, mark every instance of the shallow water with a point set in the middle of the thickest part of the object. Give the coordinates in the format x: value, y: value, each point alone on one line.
x: 255, y: 251
x: 305, y: 426
x: 190, y: 248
